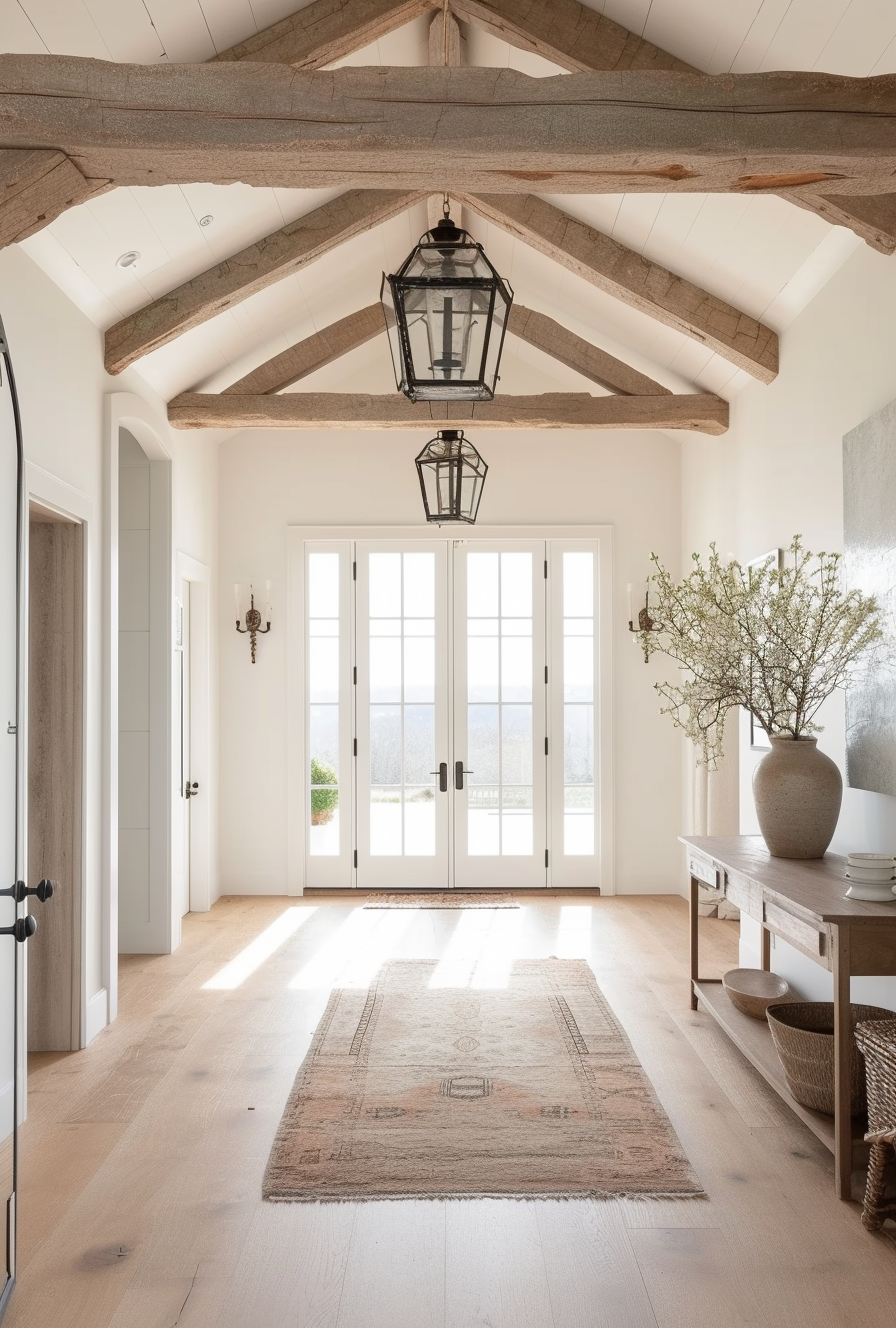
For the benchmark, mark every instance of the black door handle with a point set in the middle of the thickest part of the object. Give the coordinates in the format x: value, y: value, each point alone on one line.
x: 22, y: 928
x: 442, y: 773
x: 42, y: 891
x: 459, y: 773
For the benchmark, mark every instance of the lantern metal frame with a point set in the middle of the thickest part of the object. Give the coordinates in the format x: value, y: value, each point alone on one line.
x: 451, y: 451
x: 446, y: 239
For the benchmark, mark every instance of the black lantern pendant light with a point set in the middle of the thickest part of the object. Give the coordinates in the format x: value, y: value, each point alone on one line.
x: 452, y: 474
x: 446, y: 311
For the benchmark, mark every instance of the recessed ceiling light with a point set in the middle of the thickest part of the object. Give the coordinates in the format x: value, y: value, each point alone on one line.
x: 128, y: 260
x: 206, y: 221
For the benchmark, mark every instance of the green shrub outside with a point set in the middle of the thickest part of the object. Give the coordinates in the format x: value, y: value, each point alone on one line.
x: 324, y: 801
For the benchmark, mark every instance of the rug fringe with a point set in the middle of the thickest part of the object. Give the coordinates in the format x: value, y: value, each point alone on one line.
x: 564, y: 1195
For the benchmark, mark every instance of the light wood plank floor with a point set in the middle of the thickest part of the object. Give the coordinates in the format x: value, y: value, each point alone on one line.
x: 142, y: 1157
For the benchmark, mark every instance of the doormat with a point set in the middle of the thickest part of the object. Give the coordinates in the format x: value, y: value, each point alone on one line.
x: 444, y: 899
x: 413, y: 1090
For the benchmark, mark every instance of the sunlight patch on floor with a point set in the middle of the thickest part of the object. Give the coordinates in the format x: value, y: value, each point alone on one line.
x: 482, y: 949
x: 250, y: 959
x: 574, y: 932
x: 356, y: 951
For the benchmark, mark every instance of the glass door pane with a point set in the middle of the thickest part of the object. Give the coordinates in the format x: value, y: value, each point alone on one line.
x: 499, y: 723
x: 574, y: 708
x: 327, y: 813
x: 402, y: 715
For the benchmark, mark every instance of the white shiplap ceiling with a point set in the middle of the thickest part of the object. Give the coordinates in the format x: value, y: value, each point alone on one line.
x: 762, y: 254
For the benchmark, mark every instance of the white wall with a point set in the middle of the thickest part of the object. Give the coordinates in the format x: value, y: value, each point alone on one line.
x: 778, y: 472
x: 270, y: 480
x: 58, y: 360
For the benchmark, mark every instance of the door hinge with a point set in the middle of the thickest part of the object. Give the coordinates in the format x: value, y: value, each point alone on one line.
x: 545, y: 569
x: 545, y: 673
x: 354, y: 571
x: 545, y: 858
x: 545, y: 746
x: 355, y: 747
x: 355, y: 856
x: 355, y: 675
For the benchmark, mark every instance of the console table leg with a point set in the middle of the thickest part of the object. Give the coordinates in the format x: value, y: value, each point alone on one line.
x: 694, y: 942
x: 843, y: 1053
x: 766, y: 949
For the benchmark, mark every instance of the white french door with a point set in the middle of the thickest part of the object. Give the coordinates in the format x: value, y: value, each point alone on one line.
x: 451, y: 726
x: 499, y: 752
x: 402, y: 715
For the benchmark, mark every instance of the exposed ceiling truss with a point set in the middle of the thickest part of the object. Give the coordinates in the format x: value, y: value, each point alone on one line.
x: 625, y: 121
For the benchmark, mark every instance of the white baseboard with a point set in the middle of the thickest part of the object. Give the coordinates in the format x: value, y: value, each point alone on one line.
x: 97, y: 1015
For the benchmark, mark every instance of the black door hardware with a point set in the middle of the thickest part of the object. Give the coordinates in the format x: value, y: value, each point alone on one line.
x: 442, y: 773
x: 42, y: 891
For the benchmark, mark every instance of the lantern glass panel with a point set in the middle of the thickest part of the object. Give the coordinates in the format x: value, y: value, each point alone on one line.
x: 388, y: 303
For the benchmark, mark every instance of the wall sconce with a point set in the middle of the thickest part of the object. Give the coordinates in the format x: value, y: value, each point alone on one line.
x: 645, y: 622
x: 253, y: 628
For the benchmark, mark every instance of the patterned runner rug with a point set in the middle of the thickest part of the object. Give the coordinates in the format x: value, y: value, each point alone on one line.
x: 411, y: 1090
x: 445, y: 899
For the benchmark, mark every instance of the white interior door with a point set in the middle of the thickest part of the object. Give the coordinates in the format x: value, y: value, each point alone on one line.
x: 186, y: 730
x: 402, y: 715
x: 13, y: 1038
x: 500, y: 739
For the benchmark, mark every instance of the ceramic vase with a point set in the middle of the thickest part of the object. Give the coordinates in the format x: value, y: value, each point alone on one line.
x: 797, y: 790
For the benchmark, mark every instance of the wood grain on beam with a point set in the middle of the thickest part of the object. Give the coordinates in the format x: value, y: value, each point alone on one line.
x: 313, y: 353
x: 576, y: 353
x: 325, y: 31
x: 567, y: 33
x: 342, y: 410
x: 35, y: 187
x: 481, y: 130
x: 251, y: 270
x: 634, y: 279
x: 872, y: 218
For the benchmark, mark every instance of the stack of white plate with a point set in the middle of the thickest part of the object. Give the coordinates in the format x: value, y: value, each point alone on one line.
x: 872, y: 876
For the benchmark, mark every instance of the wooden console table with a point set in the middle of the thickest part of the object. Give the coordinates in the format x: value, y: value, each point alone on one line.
x: 804, y: 904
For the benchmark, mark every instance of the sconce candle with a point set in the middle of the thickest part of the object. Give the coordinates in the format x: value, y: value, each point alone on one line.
x: 253, y: 628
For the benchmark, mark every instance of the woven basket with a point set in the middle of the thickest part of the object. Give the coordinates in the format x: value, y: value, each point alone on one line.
x: 877, y: 1042
x: 803, y: 1034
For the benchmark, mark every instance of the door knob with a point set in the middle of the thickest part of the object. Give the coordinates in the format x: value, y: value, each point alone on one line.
x: 191, y: 789
x: 42, y: 891
x: 22, y: 928
x: 442, y: 773
x: 459, y: 773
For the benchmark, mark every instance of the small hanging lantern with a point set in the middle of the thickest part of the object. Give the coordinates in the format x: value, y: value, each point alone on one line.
x: 452, y: 474
x: 446, y: 312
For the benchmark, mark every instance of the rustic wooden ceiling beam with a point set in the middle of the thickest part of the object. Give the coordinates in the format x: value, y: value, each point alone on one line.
x: 341, y: 410
x: 489, y: 130
x: 567, y: 33
x: 577, y: 38
x: 35, y: 187
x: 576, y: 353
x: 253, y: 269
x: 634, y: 279
x: 325, y: 31
x: 302, y: 359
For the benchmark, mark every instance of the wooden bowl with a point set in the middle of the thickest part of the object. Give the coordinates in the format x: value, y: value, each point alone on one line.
x: 752, y: 990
